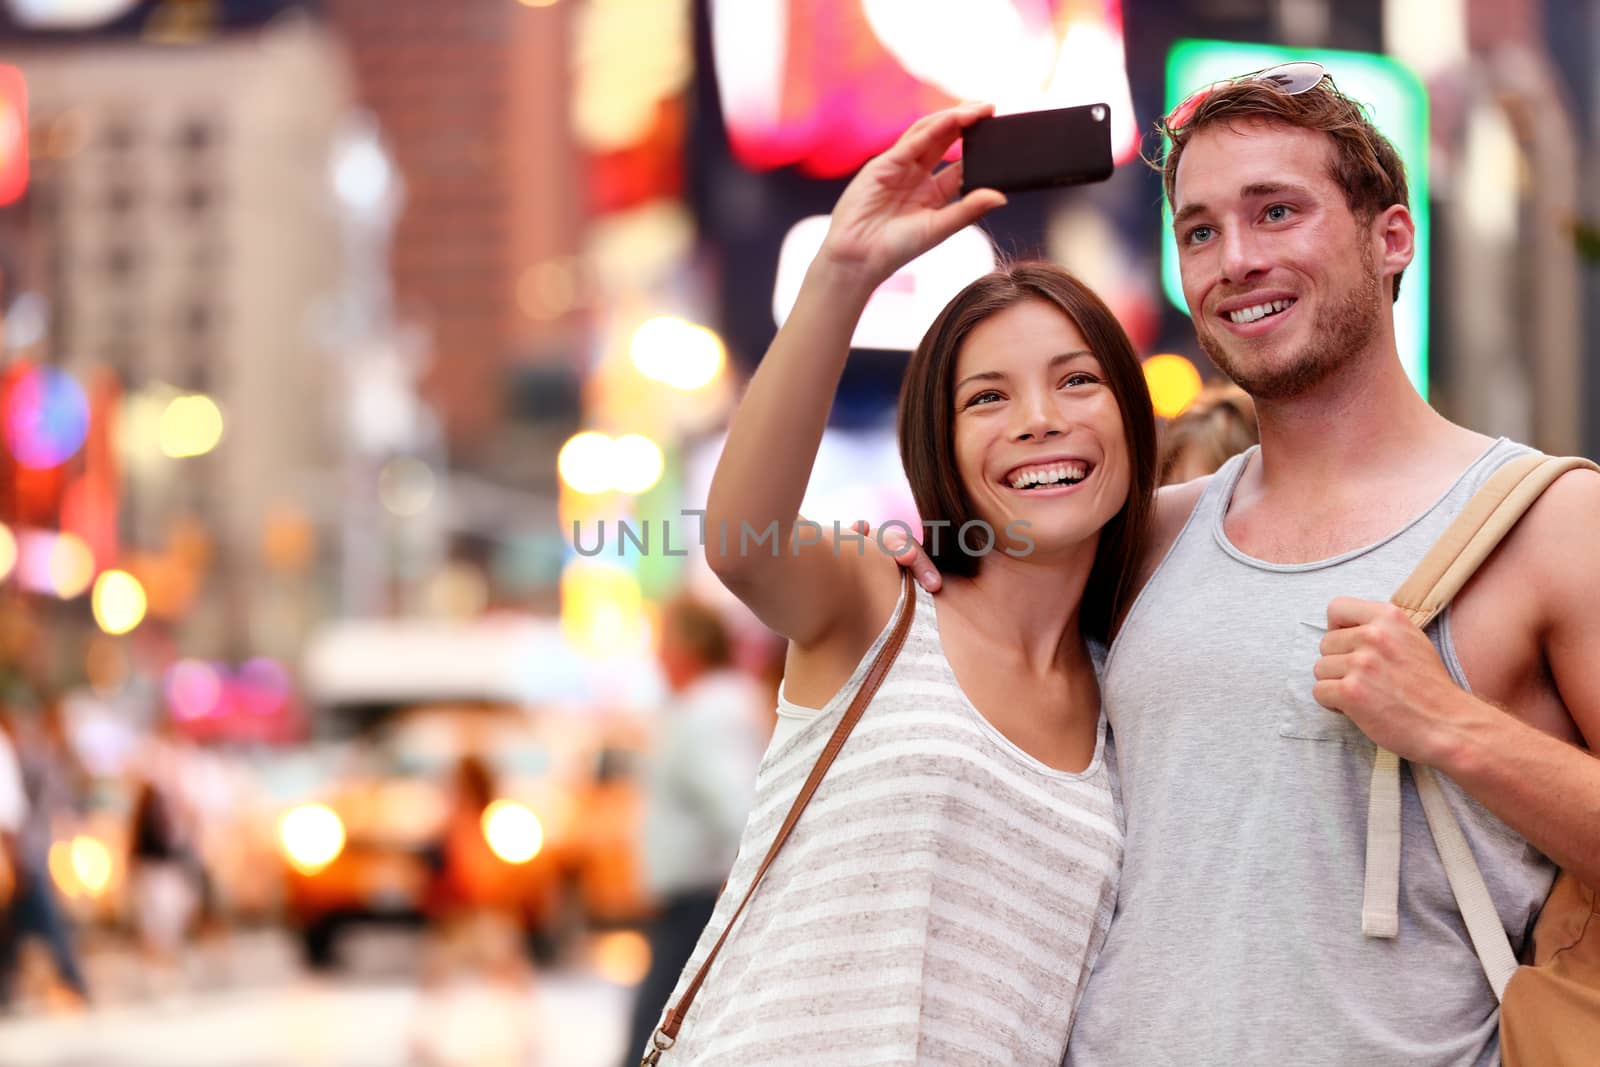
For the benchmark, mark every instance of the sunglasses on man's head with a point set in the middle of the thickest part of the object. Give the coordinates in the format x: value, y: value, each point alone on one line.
x: 1290, y: 79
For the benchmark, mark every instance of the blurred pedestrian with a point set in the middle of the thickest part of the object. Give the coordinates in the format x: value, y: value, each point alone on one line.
x: 471, y: 878
x: 698, y: 790
x: 13, y: 814
x: 50, y: 781
x: 1218, y: 425
x: 165, y: 898
x: 475, y: 978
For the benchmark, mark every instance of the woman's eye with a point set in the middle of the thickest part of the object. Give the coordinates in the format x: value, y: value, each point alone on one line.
x: 985, y: 397
x: 1080, y: 378
x: 1277, y: 212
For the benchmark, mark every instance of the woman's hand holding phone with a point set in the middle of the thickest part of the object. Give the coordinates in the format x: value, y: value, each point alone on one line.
x: 897, y: 207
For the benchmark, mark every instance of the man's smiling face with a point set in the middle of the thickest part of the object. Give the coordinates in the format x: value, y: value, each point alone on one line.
x: 1281, y: 278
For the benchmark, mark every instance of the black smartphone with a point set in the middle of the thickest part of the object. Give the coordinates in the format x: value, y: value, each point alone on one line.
x: 1038, y: 149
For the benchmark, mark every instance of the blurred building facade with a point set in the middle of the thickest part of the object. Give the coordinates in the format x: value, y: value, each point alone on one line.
x: 180, y: 228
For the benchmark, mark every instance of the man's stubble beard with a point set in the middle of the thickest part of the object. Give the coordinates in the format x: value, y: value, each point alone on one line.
x: 1345, y: 326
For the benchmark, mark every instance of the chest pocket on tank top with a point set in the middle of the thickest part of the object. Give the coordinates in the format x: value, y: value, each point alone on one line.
x: 1302, y: 717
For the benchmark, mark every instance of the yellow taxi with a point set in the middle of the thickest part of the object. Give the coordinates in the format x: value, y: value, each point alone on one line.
x: 559, y: 832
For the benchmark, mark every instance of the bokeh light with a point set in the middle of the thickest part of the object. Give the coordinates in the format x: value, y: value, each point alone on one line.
x: 585, y: 462
x: 136, y: 427
x: 622, y: 957
x: 312, y: 837
x: 1174, y: 383
x: 91, y: 863
x: 59, y: 861
x: 194, y: 689
x: 190, y: 426
x: 289, y: 540
x: 602, y: 607
x: 263, y: 686
x: 8, y: 551
x: 592, y: 463
x: 170, y: 583
x: 679, y: 353
x: 636, y: 463
x: 119, y: 602
x: 46, y: 417
x: 70, y: 566
x: 406, y: 486
x: 513, y: 832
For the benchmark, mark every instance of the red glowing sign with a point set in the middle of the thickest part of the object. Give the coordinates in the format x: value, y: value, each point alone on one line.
x: 824, y: 86
x: 13, y: 134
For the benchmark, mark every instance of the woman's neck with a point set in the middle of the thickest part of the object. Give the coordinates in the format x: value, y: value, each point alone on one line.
x: 1028, y: 605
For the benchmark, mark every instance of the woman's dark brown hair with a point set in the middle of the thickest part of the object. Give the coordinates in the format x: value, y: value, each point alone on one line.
x: 927, y: 429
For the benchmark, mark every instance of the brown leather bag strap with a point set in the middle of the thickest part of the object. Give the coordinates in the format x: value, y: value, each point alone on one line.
x: 667, y: 1034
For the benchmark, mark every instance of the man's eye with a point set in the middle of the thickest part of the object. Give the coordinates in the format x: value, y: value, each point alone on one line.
x: 1277, y: 212
x: 1198, y: 235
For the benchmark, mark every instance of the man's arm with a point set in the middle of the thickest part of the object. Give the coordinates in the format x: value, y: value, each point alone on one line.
x: 1383, y: 673
x: 1173, y: 506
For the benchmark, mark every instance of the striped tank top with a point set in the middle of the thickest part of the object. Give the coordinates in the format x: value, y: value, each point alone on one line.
x: 940, y: 901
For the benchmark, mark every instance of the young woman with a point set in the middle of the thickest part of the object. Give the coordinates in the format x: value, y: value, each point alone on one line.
x: 947, y: 888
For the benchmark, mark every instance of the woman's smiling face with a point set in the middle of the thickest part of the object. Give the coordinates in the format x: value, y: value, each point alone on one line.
x: 1039, y: 437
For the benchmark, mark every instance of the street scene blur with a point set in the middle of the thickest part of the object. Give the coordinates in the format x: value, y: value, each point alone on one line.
x: 365, y: 695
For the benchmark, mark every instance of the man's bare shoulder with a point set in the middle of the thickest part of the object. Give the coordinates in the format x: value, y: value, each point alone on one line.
x: 1554, y: 557
x: 1555, y: 547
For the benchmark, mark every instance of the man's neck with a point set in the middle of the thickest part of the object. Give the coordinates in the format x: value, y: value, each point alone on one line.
x: 1361, y: 426
x: 1345, y: 465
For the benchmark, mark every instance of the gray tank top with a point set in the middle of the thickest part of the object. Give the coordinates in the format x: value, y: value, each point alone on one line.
x: 1237, y: 937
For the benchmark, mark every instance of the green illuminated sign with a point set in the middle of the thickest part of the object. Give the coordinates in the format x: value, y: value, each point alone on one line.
x: 1397, y: 104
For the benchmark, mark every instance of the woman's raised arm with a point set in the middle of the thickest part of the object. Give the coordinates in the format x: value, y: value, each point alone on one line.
x: 895, y: 209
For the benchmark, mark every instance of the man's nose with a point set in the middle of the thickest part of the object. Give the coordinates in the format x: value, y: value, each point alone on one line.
x: 1243, y: 255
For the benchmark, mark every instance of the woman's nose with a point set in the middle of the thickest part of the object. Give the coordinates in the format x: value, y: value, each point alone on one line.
x: 1037, y: 419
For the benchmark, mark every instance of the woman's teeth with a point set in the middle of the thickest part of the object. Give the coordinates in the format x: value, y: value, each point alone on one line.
x: 1260, y: 311
x: 1070, y: 473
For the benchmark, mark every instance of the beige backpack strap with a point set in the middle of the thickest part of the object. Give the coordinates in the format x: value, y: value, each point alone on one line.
x: 667, y: 1033
x: 1454, y: 558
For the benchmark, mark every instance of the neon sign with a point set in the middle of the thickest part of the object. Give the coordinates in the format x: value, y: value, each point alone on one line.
x: 824, y: 86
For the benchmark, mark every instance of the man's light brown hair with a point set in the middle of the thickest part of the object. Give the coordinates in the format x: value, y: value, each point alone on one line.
x: 1364, y: 164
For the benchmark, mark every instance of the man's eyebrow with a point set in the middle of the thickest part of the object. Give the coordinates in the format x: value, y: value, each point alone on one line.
x: 994, y: 375
x: 1187, y: 212
x: 1253, y: 191
x: 1259, y: 189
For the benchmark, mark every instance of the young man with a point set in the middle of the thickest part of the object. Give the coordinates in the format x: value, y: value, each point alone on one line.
x: 1259, y: 667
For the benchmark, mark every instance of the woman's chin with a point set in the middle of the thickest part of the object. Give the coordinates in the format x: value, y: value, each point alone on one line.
x: 1032, y: 541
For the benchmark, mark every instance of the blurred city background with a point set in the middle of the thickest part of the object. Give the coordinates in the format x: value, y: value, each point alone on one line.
x: 362, y: 363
